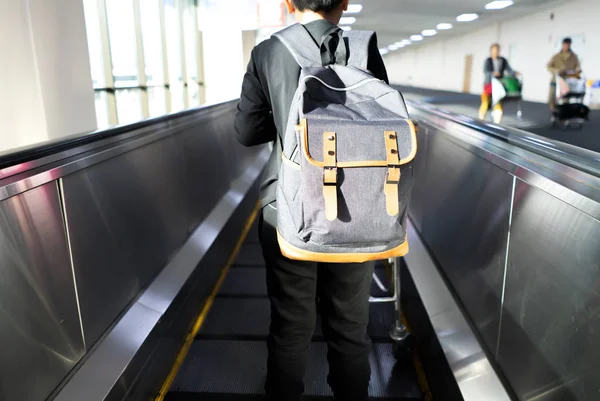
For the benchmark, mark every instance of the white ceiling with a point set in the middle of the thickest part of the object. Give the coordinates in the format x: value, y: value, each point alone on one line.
x: 395, y: 20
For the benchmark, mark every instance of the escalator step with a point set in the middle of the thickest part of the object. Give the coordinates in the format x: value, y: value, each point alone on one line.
x: 250, y: 255
x: 241, y: 319
x: 252, y: 237
x: 246, y: 318
x: 244, y: 282
x: 239, y: 367
x: 381, y: 321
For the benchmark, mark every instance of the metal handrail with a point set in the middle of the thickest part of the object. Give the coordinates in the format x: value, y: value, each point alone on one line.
x: 573, y: 156
x: 37, y: 151
x: 579, y: 158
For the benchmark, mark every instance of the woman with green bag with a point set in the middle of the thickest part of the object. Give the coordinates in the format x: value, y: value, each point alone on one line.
x: 496, y: 69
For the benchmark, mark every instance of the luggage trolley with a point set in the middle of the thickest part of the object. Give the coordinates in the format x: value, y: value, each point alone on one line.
x: 403, y: 340
x: 508, y: 89
x: 570, y: 111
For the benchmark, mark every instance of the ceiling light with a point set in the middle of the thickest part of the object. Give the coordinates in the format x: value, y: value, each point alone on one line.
x: 393, y: 47
x: 429, y: 32
x: 383, y: 51
x: 346, y: 28
x: 416, y: 38
x: 467, y: 17
x: 347, y: 20
x: 354, y: 9
x: 499, y: 4
x: 444, y: 26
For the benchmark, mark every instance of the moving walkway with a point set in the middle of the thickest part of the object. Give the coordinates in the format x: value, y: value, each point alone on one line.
x: 128, y: 274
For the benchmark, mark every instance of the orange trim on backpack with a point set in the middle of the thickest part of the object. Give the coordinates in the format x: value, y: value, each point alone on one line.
x: 291, y: 252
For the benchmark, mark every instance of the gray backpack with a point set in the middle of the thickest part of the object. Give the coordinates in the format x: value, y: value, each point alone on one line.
x: 346, y: 175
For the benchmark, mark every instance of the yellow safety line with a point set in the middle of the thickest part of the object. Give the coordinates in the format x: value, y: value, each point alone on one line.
x: 422, y: 379
x: 196, y: 328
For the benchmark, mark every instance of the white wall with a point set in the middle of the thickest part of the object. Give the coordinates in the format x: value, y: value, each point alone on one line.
x: 62, y: 57
x: 46, y: 83
x: 22, y: 117
x: 529, y: 42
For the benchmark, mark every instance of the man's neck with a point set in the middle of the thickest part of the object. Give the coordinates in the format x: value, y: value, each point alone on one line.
x: 310, y: 16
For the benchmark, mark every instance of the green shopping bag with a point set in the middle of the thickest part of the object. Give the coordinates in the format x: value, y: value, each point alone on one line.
x: 512, y: 86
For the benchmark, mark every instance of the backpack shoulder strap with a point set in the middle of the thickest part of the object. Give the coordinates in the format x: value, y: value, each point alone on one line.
x: 301, y: 45
x: 358, y: 43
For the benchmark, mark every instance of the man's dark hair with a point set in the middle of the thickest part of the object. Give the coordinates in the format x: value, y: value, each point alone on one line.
x: 317, y: 5
x: 567, y: 40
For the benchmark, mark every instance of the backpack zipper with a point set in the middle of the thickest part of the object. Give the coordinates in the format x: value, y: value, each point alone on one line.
x: 294, y: 153
x: 355, y: 86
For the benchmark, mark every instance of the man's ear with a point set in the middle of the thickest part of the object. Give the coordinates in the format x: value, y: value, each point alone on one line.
x: 345, y: 5
x: 290, y: 6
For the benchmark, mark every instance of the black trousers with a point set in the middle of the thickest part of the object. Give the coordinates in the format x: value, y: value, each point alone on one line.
x: 296, y: 291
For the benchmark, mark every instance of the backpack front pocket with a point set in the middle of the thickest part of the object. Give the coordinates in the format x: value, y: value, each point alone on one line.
x: 351, y: 190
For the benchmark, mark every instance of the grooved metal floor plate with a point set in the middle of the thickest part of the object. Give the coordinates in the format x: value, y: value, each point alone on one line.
x: 245, y: 281
x: 239, y: 367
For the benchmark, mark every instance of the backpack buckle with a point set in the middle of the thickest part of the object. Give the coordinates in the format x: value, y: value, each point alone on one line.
x: 329, y: 175
x: 393, y: 175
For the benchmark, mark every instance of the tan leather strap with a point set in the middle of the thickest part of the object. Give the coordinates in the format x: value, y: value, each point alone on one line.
x: 330, y: 175
x: 392, y: 179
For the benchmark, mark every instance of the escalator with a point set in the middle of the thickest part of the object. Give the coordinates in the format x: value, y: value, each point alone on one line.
x: 227, y: 359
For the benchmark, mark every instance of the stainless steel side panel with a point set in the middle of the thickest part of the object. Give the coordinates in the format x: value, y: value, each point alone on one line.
x: 126, y: 216
x: 40, y: 332
x: 462, y: 206
x: 84, y: 231
x: 472, y: 370
x: 517, y: 237
x: 129, y: 214
x: 93, y: 381
x: 550, y: 335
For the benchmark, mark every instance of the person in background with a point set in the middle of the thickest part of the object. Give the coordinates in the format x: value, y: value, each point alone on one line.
x: 560, y: 63
x: 293, y: 286
x: 494, y: 67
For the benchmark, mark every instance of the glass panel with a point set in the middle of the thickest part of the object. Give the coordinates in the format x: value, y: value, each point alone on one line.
x: 173, y: 33
x: 123, y: 48
x: 101, y: 110
x: 193, y: 94
x: 92, y: 27
x: 129, y: 105
x: 190, y: 37
x: 152, y: 41
x: 177, y: 101
x: 156, y: 101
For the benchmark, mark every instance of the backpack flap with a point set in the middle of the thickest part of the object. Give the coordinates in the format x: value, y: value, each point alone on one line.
x: 359, y: 143
x: 367, y: 145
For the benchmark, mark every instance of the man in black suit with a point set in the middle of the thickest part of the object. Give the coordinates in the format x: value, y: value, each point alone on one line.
x: 343, y: 289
